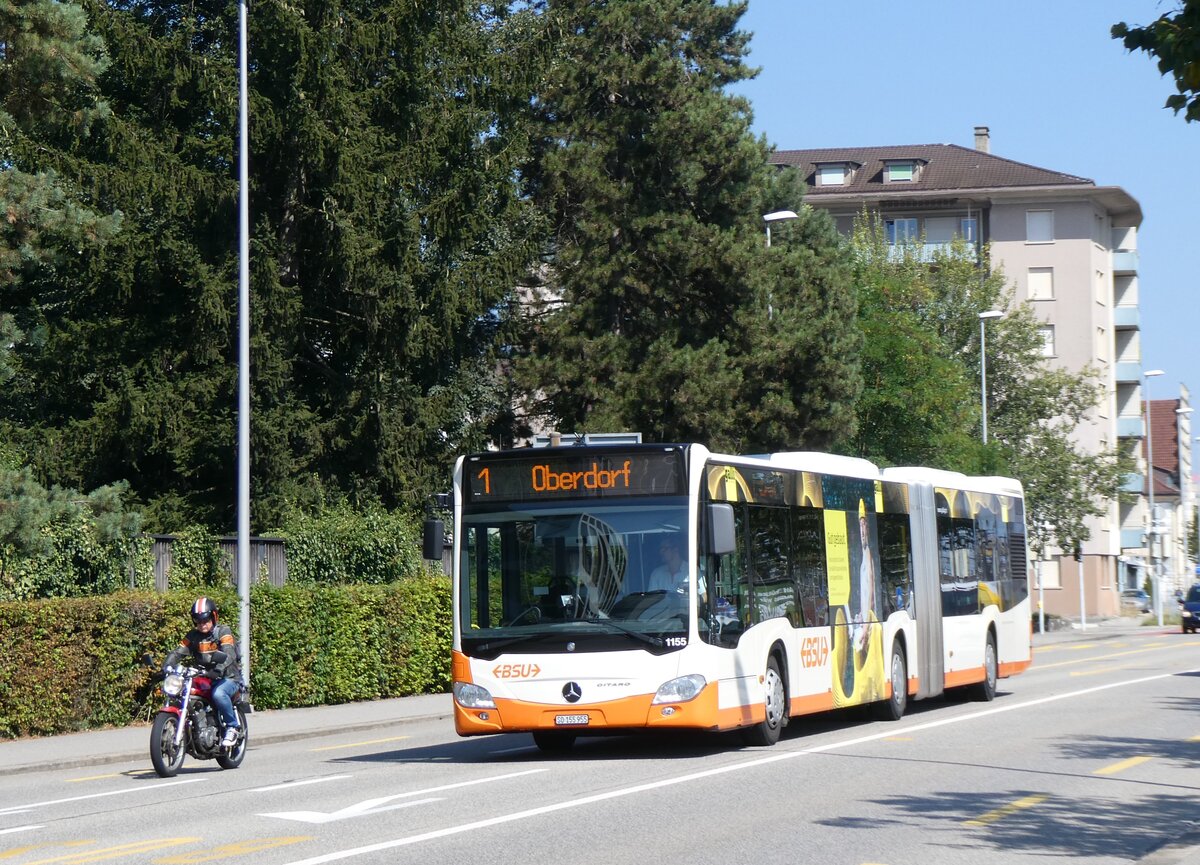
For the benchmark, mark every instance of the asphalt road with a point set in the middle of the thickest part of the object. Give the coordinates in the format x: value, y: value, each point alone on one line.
x: 1091, y: 756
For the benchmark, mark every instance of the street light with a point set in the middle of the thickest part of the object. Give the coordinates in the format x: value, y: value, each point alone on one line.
x: 984, y: 317
x: 777, y: 216
x: 1150, y: 491
x: 243, y: 432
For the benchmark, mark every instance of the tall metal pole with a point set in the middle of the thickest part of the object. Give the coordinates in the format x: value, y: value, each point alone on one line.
x: 983, y: 320
x: 243, y: 445
x: 1154, y: 580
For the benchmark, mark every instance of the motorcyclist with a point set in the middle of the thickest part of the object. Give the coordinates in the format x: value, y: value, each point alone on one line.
x: 209, y: 635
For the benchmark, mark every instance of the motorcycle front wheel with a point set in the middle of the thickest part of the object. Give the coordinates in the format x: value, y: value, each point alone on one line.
x: 166, y: 756
x: 232, y: 758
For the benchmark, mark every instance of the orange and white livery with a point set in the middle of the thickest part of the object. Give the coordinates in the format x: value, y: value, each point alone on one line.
x: 812, y: 582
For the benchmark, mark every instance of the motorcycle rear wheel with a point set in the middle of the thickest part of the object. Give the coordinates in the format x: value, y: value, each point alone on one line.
x: 232, y: 758
x: 166, y: 756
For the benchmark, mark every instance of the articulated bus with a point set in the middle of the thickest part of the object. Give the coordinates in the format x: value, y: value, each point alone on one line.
x: 606, y: 589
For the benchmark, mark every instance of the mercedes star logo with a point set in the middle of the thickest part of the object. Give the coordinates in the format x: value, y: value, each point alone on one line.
x: 572, y: 692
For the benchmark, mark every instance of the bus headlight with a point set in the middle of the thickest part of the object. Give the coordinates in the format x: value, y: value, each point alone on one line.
x: 680, y: 690
x: 472, y: 696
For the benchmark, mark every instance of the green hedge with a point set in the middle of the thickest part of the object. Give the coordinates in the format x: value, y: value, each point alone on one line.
x: 73, y: 663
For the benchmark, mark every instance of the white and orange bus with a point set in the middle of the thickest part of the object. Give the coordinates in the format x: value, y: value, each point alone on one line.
x: 612, y: 588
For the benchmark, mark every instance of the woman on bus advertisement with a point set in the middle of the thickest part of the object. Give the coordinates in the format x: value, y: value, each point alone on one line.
x: 853, y: 565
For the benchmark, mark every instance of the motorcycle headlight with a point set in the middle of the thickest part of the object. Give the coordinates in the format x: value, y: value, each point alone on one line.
x: 680, y: 690
x: 472, y: 696
x: 173, y: 685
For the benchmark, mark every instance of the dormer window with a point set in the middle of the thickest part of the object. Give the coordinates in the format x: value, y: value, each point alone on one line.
x: 835, y: 173
x: 901, y: 170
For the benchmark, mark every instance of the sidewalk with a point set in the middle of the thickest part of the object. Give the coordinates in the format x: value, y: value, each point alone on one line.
x: 279, y: 725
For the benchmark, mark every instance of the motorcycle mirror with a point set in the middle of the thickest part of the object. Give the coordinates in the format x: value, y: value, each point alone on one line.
x: 148, y: 660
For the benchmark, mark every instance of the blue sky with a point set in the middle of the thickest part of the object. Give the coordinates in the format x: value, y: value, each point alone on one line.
x: 1048, y: 80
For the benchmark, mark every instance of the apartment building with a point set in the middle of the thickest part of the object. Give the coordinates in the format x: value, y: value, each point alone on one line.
x: 1070, y: 247
x: 1170, y: 448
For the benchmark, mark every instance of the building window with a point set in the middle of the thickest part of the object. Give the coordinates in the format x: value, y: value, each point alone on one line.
x: 901, y: 230
x: 1039, y: 226
x: 939, y: 229
x: 832, y: 174
x: 1101, y: 288
x: 968, y: 229
x: 900, y: 172
x: 1101, y: 345
x: 1041, y: 283
x: 1046, y: 332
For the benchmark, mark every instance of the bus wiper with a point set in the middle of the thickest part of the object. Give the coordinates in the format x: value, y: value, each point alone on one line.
x: 495, y: 645
x: 657, y: 642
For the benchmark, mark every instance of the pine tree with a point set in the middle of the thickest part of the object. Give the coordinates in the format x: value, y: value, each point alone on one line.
x: 386, y: 234
x: 658, y: 309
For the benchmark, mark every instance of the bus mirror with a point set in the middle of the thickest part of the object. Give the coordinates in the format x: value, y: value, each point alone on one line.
x: 721, y: 538
x: 434, y: 540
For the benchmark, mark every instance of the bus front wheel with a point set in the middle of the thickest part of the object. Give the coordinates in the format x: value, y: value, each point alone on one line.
x: 767, y: 731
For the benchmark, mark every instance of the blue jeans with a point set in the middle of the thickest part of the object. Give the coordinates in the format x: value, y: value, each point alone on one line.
x: 222, y: 697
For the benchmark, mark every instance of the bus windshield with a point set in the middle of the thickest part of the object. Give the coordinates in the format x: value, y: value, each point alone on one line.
x: 574, y: 576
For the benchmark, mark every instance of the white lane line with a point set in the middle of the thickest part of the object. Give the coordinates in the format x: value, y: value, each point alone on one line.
x: 374, y: 806
x: 20, y: 829
x: 709, y: 773
x: 17, y: 809
x: 286, y: 784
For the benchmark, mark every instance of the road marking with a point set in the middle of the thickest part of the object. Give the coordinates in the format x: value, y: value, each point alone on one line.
x: 237, y: 848
x: 1099, y: 671
x: 1122, y: 766
x: 285, y: 785
x: 898, y: 739
x: 92, y: 778
x: 374, y: 806
x: 17, y: 809
x: 359, y: 744
x: 1099, y: 658
x: 28, y: 848
x: 117, y: 852
x: 1010, y: 808
x: 513, y: 750
x: 710, y: 773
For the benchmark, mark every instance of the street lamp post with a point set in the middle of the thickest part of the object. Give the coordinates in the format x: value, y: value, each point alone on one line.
x: 1150, y: 494
x: 984, y: 317
x: 777, y: 216
x: 243, y: 432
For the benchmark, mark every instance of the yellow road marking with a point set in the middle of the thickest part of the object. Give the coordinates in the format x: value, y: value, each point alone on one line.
x: 92, y: 778
x: 1122, y: 766
x: 898, y: 739
x: 1194, y: 739
x: 28, y: 848
x: 1100, y: 657
x: 118, y: 851
x: 1100, y: 671
x: 1010, y: 808
x: 357, y: 744
x: 238, y: 848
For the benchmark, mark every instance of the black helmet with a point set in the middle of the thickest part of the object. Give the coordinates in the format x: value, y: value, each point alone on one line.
x: 204, y: 610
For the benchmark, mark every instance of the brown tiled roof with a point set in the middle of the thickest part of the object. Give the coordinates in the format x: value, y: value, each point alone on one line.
x: 1164, y: 428
x: 947, y: 167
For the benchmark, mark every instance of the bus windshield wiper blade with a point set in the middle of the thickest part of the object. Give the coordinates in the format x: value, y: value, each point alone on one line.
x: 657, y: 642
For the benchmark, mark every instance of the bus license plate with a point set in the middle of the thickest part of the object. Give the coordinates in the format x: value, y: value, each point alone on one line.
x: 570, y: 720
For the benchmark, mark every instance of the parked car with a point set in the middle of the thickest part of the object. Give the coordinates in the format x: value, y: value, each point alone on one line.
x: 1189, y: 609
x: 1135, y: 599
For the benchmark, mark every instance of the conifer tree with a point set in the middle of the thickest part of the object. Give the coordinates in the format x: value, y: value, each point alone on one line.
x: 658, y: 309
x: 386, y: 232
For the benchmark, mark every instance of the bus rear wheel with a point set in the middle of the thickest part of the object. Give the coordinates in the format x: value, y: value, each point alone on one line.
x: 985, y: 691
x: 767, y: 731
x: 892, y: 709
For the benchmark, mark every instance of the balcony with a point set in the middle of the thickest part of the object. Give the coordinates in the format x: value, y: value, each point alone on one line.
x: 925, y: 252
x: 1128, y: 372
x: 1131, y: 427
x: 1126, y: 317
x: 1124, y: 261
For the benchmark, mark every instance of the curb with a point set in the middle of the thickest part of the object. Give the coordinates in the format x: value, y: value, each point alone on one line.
x: 268, y: 739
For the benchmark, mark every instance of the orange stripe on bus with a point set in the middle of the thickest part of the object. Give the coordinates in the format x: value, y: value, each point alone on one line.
x: 970, y: 676
x: 1011, y: 668
x: 460, y: 667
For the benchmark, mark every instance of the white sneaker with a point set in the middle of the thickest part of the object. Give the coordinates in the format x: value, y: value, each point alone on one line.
x: 231, y: 737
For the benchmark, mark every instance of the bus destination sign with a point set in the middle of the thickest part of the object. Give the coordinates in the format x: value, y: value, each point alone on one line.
x: 552, y: 474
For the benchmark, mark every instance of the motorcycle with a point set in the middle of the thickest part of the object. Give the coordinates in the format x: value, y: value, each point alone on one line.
x: 188, y: 721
